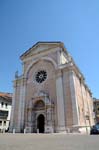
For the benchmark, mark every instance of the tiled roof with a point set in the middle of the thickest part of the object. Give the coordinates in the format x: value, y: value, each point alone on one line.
x: 7, y: 96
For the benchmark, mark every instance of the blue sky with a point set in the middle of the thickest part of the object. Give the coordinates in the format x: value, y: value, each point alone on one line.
x: 25, y: 22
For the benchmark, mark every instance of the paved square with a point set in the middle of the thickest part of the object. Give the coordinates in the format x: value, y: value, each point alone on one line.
x: 48, y: 142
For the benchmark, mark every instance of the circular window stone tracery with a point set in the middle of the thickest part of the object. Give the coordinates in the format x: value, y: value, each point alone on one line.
x: 41, y: 76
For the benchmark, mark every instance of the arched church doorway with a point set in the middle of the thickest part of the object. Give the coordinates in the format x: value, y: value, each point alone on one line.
x: 41, y: 123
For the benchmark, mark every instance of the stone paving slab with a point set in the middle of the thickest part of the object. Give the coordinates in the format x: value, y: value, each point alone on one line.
x: 48, y: 142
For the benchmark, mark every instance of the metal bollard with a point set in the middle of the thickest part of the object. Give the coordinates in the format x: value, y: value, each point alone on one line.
x: 13, y: 131
x: 24, y: 131
x: 37, y: 130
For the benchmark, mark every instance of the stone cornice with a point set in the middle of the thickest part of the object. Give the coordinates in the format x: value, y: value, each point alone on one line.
x: 40, y: 54
x: 19, y: 81
x: 72, y: 67
x: 28, y: 52
x: 57, y: 43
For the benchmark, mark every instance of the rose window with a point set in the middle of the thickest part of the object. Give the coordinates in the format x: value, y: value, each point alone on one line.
x: 41, y: 76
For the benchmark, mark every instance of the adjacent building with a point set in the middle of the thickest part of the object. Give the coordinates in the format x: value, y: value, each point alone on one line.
x: 51, y: 94
x: 96, y: 109
x: 5, y: 111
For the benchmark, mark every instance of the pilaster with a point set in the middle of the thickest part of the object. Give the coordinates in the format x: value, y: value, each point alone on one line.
x: 60, y: 102
x: 74, y: 99
x: 12, y: 112
x: 21, y: 105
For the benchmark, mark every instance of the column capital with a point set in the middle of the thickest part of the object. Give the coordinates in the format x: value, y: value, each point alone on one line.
x: 72, y: 72
x: 58, y: 73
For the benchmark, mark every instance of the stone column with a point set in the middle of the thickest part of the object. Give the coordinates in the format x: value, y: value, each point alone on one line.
x: 21, y: 106
x: 74, y: 99
x: 85, y: 128
x: 60, y: 103
x: 12, y: 111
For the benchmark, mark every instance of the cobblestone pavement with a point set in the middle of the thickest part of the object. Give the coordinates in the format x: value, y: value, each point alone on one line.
x: 48, y: 142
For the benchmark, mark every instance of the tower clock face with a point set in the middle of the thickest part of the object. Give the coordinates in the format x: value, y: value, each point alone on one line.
x: 41, y: 76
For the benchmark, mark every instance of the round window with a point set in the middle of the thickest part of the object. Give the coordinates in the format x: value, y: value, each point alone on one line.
x: 41, y: 76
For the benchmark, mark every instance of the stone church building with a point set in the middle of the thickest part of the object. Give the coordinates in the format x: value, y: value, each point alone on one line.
x: 51, y: 94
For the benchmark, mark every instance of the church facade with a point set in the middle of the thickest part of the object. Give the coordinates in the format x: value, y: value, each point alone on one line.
x: 51, y: 94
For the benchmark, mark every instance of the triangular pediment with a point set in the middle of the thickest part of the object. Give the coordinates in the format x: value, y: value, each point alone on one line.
x: 40, y: 47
